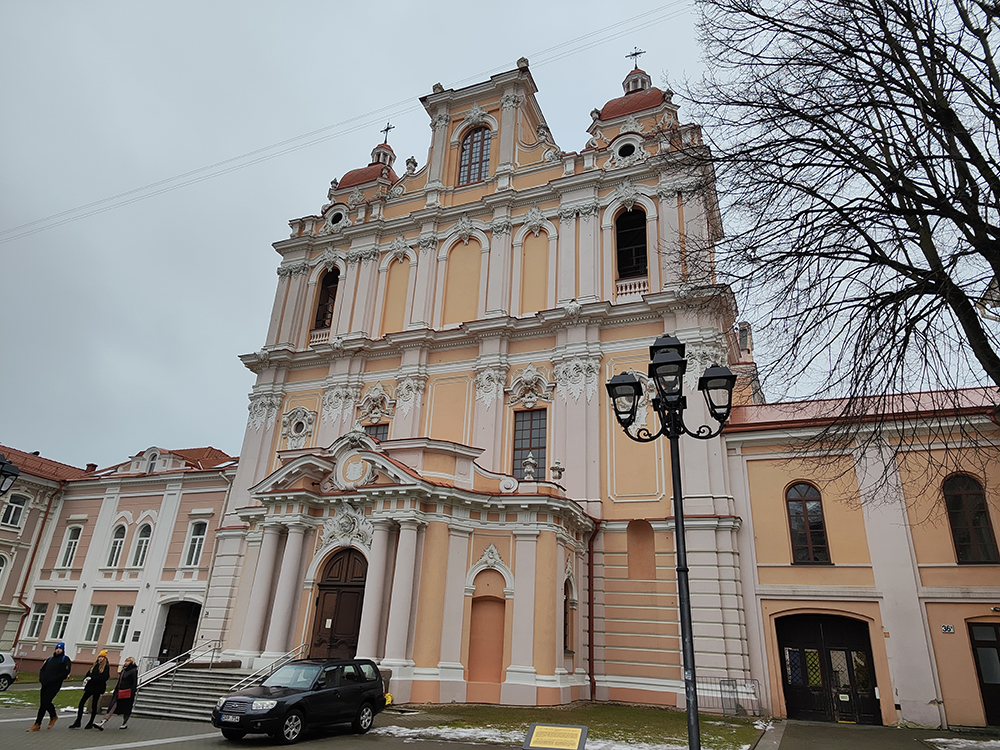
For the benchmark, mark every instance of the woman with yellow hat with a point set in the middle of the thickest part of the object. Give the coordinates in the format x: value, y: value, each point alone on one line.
x: 94, y: 685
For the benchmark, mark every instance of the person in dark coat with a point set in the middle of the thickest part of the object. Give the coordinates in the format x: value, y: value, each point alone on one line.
x: 94, y: 686
x: 55, y: 669
x: 124, y: 696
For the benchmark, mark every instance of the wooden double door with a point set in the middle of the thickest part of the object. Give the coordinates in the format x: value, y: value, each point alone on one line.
x: 985, y: 639
x: 179, y: 630
x: 338, y: 606
x: 827, y: 670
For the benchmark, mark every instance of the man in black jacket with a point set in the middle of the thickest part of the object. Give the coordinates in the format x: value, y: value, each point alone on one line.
x: 55, y: 669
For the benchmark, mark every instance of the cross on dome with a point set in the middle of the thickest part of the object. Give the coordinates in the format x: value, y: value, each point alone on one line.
x: 634, y: 55
x: 386, y: 130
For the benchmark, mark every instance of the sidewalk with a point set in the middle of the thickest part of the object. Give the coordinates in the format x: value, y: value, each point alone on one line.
x: 809, y: 735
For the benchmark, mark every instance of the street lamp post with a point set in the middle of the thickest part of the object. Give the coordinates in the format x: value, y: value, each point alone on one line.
x: 8, y: 474
x: 666, y: 369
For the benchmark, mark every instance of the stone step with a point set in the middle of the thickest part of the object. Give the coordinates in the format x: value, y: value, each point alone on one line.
x: 188, y: 694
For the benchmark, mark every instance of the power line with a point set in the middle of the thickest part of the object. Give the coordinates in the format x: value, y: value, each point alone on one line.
x: 555, y: 53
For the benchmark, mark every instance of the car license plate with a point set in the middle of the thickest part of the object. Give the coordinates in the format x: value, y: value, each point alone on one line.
x: 230, y: 717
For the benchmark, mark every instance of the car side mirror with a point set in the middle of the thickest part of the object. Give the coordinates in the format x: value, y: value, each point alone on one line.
x: 321, y: 682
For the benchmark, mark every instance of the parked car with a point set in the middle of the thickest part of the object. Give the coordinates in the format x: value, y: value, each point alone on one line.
x: 8, y: 670
x: 301, y: 694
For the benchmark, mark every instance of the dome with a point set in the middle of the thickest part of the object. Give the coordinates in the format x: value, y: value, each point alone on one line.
x: 382, y: 159
x: 634, y: 101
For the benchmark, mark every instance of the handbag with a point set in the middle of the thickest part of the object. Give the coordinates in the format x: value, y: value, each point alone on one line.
x: 124, y: 693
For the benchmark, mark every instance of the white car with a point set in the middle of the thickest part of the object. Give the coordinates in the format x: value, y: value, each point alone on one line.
x: 8, y: 670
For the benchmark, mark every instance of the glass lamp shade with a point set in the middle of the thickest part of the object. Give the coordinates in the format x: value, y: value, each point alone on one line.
x: 666, y: 343
x: 8, y: 473
x: 624, y: 390
x: 667, y: 371
x: 717, y: 385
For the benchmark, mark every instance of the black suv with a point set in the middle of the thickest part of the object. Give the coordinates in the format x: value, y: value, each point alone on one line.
x: 309, y: 692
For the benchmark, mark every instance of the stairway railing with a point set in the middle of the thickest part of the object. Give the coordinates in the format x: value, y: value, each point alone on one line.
x: 266, y: 671
x: 172, y: 665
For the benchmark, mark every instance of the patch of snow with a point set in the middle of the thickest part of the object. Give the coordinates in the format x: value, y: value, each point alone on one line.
x: 960, y: 743
x: 509, y: 737
x: 764, y: 724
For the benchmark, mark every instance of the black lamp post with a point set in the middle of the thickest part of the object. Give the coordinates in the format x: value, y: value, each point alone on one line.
x: 8, y: 473
x: 666, y: 369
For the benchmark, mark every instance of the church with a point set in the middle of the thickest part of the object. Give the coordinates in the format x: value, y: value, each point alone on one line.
x: 432, y: 475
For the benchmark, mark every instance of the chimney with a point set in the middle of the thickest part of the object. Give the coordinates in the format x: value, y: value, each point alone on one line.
x: 91, y: 468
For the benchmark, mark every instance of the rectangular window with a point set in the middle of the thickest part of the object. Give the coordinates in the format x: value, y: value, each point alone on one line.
x: 58, y: 630
x: 378, y: 431
x: 37, y: 618
x: 529, y: 440
x: 195, y: 544
x: 13, y: 511
x: 123, y: 620
x: 97, y: 612
x: 69, y: 547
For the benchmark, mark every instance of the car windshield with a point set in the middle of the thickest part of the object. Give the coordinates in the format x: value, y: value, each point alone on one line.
x: 300, y: 676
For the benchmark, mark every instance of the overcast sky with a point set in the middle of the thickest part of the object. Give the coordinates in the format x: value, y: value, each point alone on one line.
x: 121, y: 328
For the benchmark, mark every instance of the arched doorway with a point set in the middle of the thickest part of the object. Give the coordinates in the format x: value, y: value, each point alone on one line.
x: 826, y: 668
x: 338, y: 606
x: 179, y: 630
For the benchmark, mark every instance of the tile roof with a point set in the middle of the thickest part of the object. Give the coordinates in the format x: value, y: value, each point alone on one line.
x: 631, y: 102
x: 366, y: 174
x: 36, y: 466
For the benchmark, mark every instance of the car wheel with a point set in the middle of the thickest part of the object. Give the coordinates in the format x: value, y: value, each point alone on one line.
x: 4, y: 682
x: 292, y: 727
x: 363, y: 721
x: 233, y: 734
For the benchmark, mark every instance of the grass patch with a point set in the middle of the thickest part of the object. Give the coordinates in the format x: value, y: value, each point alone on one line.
x: 31, y: 698
x: 606, y: 721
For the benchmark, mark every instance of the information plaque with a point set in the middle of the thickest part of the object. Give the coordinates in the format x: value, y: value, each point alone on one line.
x: 555, y: 737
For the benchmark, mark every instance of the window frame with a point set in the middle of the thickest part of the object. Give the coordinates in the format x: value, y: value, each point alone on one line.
x: 619, y: 275
x: 122, y: 623
x: 987, y: 545
x: 327, y: 298
x: 195, y: 540
x: 117, y: 546
x: 97, y: 619
x: 140, y: 544
x: 37, y: 619
x: 8, y: 508
x: 472, y: 172
x: 69, y: 547
x: 519, y: 453
x: 60, y: 619
x: 808, y: 529
x: 373, y: 430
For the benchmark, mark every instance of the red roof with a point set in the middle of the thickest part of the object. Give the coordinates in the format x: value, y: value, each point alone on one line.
x: 203, y: 458
x: 366, y: 174
x: 631, y: 102
x: 37, y: 466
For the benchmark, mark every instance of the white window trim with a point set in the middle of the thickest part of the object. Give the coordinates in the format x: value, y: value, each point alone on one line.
x: 117, y: 563
x: 64, y: 546
x: 121, y: 619
x: 56, y: 615
x: 187, y: 546
x: 136, y: 541
x: 41, y: 619
x: 20, y: 516
x: 90, y: 620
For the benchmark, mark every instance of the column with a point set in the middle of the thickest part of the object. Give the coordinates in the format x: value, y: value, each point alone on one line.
x: 450, y: 667
x: 402, y: 595
x: 260, y: 592
x: 284, y: 597
x: 519, y: 684
x: 371, y: 609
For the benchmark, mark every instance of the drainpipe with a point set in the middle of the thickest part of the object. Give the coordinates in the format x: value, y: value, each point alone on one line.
x: 590, y: 608
x: 31, y: 562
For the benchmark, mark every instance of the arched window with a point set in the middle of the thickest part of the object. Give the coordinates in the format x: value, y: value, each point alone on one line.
x: 630, y: 243
x: 971, y: 529
x: 141, y: 545
x: 327, y: 298
x: 805, y: 521
x: 13, y: 511
x: 70, y: 544
x: 117, y: 542
x: 152, y: 464
x: 567, y: 619
x: 3, y: 571
x: 474, y: 165
x: 195, y: 544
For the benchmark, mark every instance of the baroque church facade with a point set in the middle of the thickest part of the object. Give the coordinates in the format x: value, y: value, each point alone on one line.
x: 432, y: 475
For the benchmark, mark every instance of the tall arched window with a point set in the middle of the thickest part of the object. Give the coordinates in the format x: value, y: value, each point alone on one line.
x: 805, y: 520
x: 969, y: 517
x: 152, y: 464
x: 141, y: 545
x: 474, y: 165
x: 195, y: 544
x: 117, y: 542
x: 70, y: 543
x: 327, y: 298
x: 630, y: 243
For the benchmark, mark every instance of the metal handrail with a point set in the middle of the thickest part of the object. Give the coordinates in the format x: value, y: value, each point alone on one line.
x: 269, y: 669
x: 171, y: 665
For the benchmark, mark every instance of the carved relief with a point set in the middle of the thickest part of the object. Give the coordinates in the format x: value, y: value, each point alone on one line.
x: 398, y: 248
x: 338, y: 399
x: 464, y: 228
x: 627, y: 193
x: 297, y: 426
x: 529, y: 386
x: 263, y: 410
x: 428, y: 243
x: 411, y: 165
x: 490, y: 382
x: 490, y: 558
x: 509, y: 101
x: 363, y: 255
x: 632, y: 125
x: 439, y: 121
x: 349, y: 527
x: 475, y: 116
x: 409, y: 393
x: 501, y: 226
x: 328, y: 258
x: 376, y: 404
x: 293, y: 269
x: 576, y: 375
x: 534, y: 220
x: 700, y: 357
x: 355, y: 198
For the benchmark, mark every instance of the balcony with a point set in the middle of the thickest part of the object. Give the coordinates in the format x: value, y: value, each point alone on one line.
x: 631, y: 289
x: 319, y: 336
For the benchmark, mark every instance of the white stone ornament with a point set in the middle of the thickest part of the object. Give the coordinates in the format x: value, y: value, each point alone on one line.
x: 534, y: 220
x: 489, y: 384
x: 530, y: 386
x: 508, y: 485
x: 399, y: 248
x: 409, y: 393
x: 475, y: 116
x: 428, y: 243
x: 338, y: 399
x: 632, y: 125
x: 440, y: 120
x: 376, y: 404
x: 363, y: 255
x: 297, y: 426
x: 490, y: 557
x: 501, y: 226
x: 576, y: 376
x: 263, y: 410
x: 464, y: 228
x: 293, y: 269
x: 509, y: 101
x: 627, y: 193
x: 349, y: 527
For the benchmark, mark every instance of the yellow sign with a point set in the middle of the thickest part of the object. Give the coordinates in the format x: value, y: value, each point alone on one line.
x: 555, y: 737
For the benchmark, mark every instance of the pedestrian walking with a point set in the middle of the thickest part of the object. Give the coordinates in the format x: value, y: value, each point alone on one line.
x: 94, y: 686
x: 55, y: 669
x: 124, y: 696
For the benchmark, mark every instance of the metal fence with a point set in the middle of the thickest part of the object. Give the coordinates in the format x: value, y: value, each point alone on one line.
x: 733, y: 697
